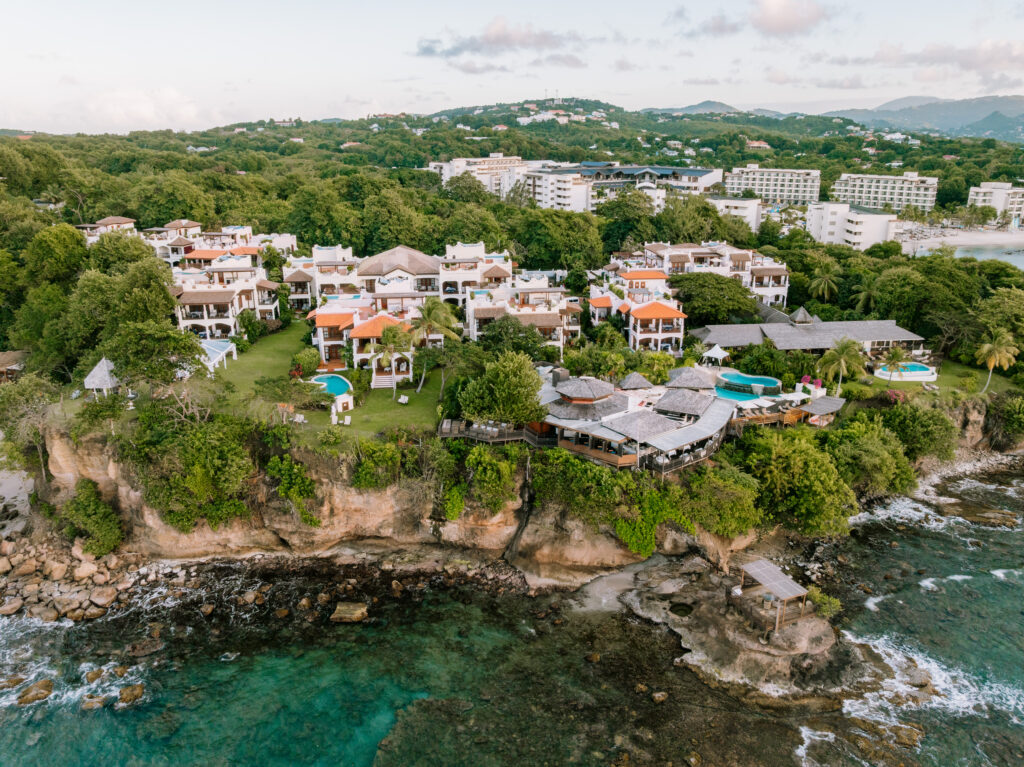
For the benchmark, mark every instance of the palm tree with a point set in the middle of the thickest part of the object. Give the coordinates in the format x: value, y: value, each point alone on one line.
x: 867, y: 293
x: 436, y: 319
x: 823, y: 283
x: 896, y: 360
x: 844, y: 359
x: 394, y: 344
x: 999, y: 349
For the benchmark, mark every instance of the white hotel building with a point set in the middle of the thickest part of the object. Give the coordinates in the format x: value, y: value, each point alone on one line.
x: 784, y: 185
x: 1003, y: 196
x: 839, y: 223
x: 877, y: 191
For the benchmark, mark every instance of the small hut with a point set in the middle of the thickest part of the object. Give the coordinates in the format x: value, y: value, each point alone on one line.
x: 102, y: 379
x: 775, y: 582
x: 634, y: 381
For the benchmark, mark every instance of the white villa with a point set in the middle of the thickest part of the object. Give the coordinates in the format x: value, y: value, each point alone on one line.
x: 213, y: 288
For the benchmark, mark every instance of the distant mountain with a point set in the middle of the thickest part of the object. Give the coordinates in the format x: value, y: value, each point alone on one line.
x: 957, y: 117
x: 997, y: 125
x: 770, y: 113
x: 703, y: 108
x: 907, y: 102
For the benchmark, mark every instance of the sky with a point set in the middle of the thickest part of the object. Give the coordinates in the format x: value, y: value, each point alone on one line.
x: 115, y: 66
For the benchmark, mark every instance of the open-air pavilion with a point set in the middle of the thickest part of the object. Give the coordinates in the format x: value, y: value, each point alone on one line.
x: 775, y: 582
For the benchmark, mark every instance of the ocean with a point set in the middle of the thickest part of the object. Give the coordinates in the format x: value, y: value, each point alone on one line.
x: 455, y: 675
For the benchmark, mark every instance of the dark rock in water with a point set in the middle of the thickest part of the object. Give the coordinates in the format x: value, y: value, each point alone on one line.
x: 349, y: 612
x: 93, y: 702
x: 659, y: 697
x: 206, y: 609
x: 131, y: 694
x: 145, y: 647
x: 282, y: 612
x: 594, y: 657
x: 120, y: 671
x: 247, y: 598
x: 103, y: 596
x: 10, y: 682
x: 91, y: 613
x: 92, y: 676
x: 34, y: 693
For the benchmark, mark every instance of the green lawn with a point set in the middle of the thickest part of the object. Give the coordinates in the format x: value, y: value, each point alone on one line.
x: 949, y: 380
x: 272, y: 356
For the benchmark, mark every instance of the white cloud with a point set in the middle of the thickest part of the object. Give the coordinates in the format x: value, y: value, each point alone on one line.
x: 471, y: 67
x: 718, y: 25
x: 786, y: 18
x: 560, y: 60
x: 498, y: 37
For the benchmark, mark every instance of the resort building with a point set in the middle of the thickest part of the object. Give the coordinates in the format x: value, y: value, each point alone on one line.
x: 656, y: 326
x: 766, y: 278
x: 801, y: 331
x: 531, y: 301
x: 496, y: 172
x: 839, y: 223
x: 878, y: 191
x: 778, y: 185
x: 1007, y: 199
x: 747, y: 209
x: 213, y: 288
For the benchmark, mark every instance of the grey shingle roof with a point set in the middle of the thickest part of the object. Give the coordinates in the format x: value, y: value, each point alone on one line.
x: 684, y: 402
x: 635, y: 381
x: 102, y: 376
x: 801, y: 315
x: 402, y: 257
x: 822, y: 335
x: 713, y: 421
x: 730, y: 336
x: 690, y: 378
x: 589, y: 411
x: 585, y: 388
x: 641, y: 425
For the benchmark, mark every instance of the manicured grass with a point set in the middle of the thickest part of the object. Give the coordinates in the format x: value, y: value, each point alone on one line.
x: 949, y: 380
x: 380, y: 412
x: 270, y: 356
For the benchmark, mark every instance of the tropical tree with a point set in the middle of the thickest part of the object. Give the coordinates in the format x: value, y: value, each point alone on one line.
x: 394, y: 344
x: 823, y: 283
x: 844, y: 359
x: 896, y: 360
x: 506, y: 392
x: 867, y: 293
x: 435, y: 319
x: 999, y: 349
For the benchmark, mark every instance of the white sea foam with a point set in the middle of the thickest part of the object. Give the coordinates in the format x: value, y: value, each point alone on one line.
x: 959, y: 578
x: 1003, y: 575
x: 928, y: 584
x: 810, y: 737
x: 907, y: 511
x: 960, y: 693
x: 872, y: 602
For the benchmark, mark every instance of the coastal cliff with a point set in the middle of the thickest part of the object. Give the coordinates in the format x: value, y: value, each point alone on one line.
x: 550, y: 546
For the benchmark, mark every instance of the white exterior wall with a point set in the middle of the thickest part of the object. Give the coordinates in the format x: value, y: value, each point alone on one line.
x: 835, y: 223
x: 1002, y: 196
x: 794, y: 186
x: 875, y: 191
x: 748, y: 209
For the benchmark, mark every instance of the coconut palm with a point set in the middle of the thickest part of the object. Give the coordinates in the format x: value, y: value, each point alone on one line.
x: 896, y: 360
x: 436, y: 319
x: 845, y: 358
x: 867, y: 293
x: 999, y: 349
x: 823, y: 284
x: 394, y: 344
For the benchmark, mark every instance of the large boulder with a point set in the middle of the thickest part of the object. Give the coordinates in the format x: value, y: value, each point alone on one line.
x: 131, y: 694
x: 34, y: 693
x: 11, y: 606
x: 103, y: 596
x: 85, y: 570
x: 5, y: 565
x: 349, y: 612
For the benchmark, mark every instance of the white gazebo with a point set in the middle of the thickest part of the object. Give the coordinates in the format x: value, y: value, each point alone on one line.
x: 716, y: 353
x: 216, y: 353
x: 101, y: 378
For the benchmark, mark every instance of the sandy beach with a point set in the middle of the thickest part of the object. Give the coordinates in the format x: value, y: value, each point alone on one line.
x: 958, y: 238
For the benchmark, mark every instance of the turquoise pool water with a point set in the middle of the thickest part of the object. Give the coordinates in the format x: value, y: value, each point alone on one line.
x: 748, y: 380
x: 911, y: 367
x: 335, y: 384
x: 738, y: 396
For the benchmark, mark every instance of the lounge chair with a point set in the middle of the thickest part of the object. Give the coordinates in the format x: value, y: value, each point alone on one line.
x: 403, y: 400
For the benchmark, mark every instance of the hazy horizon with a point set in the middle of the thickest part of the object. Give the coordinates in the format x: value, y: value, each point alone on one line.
x: 114, y: 66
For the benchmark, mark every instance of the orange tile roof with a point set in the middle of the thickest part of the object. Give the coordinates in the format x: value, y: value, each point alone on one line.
x: 644, y: 274
x: 375, y: 328
x: 657, y: 311
x: 624, y: 308
x: 337, y: 321
x: 602, y: 302
x: 205, y: 255
x: 247, y: 250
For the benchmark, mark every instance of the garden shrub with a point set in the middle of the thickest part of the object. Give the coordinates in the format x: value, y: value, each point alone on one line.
x: 828, y: 606
x: 294, y: 486
x: 379, y: 465
x: 307, y: 360
x: 491, y: 478
x: 88, y: 516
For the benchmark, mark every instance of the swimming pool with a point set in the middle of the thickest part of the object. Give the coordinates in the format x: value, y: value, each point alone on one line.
x: 911, y: 371
x: 756, y: 386
x: 334, y: 384
x: 736, y: 396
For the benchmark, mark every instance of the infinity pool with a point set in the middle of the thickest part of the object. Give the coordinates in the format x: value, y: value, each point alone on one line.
x: 737, y: 396
x: 910, y: 367
x: 334, y: 384
x: 748, y: 380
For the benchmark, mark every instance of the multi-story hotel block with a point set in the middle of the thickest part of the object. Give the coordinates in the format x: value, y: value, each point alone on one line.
x: 782, y: 185
x: 1006, y: 198
x: 878, y: 191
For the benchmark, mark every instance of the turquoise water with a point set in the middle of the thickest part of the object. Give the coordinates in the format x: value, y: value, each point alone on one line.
x: 335, y: 384
x: 748, y: 380
x: 448, y: 675
x: 911, y: 367
x: 1011, y: 254
x: 739, y: 396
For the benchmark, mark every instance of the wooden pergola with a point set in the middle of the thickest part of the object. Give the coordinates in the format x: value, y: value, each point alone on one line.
x: 777, y: 583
